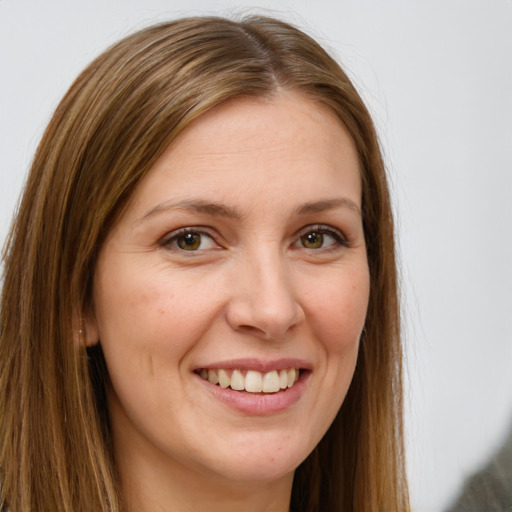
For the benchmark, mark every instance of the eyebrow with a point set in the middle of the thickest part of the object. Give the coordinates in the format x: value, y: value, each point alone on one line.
x: 328, y: 204
x: 196, y: 206
x: 220, y: 210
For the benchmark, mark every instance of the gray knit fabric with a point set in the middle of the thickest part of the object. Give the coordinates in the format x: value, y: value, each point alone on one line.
x: 490, y: 489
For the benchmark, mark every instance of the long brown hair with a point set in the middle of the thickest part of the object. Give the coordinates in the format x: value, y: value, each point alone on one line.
x: 112, y: 125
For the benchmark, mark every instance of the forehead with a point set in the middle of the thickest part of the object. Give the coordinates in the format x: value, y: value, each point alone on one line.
x: 285, y: 145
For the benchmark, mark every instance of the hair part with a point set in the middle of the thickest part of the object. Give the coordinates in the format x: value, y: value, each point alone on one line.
x: 115, y: 121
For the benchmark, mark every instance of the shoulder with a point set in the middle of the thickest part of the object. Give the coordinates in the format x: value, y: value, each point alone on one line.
x: 490, y: 488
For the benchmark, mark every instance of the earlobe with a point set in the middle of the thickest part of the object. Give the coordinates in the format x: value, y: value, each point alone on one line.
x: 87, y: 331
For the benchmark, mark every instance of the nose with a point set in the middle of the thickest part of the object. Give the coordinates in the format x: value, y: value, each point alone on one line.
x: 263, y: 302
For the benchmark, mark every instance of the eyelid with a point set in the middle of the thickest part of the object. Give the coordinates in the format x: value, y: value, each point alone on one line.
x: 168, y: 238
x: 336, y: 233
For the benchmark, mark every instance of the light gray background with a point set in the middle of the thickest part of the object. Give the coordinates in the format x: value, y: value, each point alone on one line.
x: 437, y: 76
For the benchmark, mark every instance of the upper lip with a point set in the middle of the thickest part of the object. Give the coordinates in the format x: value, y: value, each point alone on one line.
x: 258, y: 365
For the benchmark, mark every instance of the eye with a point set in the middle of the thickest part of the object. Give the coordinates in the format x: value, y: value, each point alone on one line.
x: 190, y: 240
x: 320, y: 237
x: 313, y: 240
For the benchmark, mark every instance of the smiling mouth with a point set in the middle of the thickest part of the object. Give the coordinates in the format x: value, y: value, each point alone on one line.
x: 250, y: 380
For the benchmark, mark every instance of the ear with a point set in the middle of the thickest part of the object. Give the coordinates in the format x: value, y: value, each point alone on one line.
x: 87, y: 329
x: 91, y: 333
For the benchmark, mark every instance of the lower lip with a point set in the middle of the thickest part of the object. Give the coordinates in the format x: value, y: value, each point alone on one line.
x: 258, y: 404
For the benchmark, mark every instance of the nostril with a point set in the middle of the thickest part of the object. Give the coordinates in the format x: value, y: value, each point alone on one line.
x: 250, y: 329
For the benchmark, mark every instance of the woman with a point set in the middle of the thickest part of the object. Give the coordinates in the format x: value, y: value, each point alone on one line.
x: 200, y: 298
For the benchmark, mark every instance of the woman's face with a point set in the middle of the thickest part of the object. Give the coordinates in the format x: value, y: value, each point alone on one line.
x: 241, y: 259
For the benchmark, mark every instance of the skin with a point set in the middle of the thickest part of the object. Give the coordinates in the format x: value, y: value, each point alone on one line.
x: 253, y: 288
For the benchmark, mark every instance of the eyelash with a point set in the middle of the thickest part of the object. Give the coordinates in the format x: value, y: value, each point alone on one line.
x: 171, y: 240
x: 321, y: 229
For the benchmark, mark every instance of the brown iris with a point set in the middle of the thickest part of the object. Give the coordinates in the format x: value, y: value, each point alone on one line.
x: 189, y: 241
x: 312, y: 240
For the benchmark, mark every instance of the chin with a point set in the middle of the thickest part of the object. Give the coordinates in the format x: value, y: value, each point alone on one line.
x: 260, y: 471
x: 265, y: 461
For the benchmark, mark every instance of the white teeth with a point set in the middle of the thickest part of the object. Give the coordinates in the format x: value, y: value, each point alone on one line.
x: 283, y: 379
x: 291, y: 376
x: 271, y: 382
x: 237, y: 380
x: 253, y: 381
x: 213, y: 377
x: 224, y: 380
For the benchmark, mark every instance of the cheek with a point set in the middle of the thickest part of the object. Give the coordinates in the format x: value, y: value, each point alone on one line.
x: 133, y: 299
x: 145, y: 319
x: 148, y: 323
x: 338, y: 308
x: 337, y: 312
